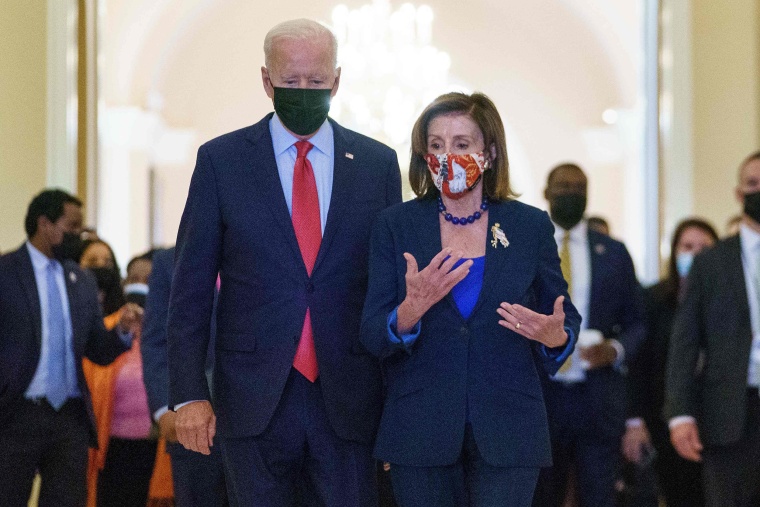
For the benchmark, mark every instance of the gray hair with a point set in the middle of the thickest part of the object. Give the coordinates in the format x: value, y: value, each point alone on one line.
x: 299, y: 29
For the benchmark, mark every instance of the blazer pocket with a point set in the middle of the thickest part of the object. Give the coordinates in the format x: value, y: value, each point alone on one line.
x: 239, y: 342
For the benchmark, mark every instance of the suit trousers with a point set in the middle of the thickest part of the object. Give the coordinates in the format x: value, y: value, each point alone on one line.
x: 37, y: 437
x: 469, y: 482
x: 732, y: 472
x: 298, y: 459
x: 578, y: 443
x: 198, y: 479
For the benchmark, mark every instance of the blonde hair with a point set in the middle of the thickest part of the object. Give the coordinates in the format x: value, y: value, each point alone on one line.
x: 299, y: 29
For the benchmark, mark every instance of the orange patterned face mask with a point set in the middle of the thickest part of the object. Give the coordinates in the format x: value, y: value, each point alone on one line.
x: 455, y: 175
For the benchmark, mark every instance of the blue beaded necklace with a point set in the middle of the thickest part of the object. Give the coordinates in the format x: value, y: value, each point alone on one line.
x: 461, y: 220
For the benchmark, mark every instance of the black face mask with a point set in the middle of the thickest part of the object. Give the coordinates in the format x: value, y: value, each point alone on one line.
x: 109, y: 283
x: 567, y: 210
x: 70, y: 248
x: 752, y: 205
x: 302, y: 110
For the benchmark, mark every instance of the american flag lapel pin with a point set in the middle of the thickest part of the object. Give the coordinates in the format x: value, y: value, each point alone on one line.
x: 349, y: 156
x: 72, y: 277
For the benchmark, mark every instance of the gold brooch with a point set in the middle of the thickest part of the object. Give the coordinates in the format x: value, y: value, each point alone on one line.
x: 498, y: 236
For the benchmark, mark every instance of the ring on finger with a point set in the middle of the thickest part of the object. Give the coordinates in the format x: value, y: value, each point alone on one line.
x: 517, y: 326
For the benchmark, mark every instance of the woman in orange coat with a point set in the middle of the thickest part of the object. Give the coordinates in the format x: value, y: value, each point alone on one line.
x: 130, y: 466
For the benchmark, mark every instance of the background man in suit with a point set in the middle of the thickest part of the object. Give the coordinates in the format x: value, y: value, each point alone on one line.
x: 585, y: 400
x: 198, y: 478
x: 714, y: 415
x: 282, y: 210
x: 49, y: 319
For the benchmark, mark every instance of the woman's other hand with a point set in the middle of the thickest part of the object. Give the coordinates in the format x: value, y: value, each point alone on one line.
x: 425, y: 288
x: 546, y: 329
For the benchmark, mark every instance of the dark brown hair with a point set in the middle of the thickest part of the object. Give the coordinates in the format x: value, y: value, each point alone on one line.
x: 483, y: 112
x: 673, y: 280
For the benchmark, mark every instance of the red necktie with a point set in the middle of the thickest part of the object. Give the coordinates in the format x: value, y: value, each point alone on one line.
x: 308, y: 227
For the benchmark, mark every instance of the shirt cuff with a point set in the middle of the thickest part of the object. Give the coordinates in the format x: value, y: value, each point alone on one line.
x: 160, y: 412
x: 561, y: 354
x: 620, y: 352
x: 408, y: 339
x: 635, y: 422
x: 680, y: 419
x: 126, y: 338
x: 180, y: 405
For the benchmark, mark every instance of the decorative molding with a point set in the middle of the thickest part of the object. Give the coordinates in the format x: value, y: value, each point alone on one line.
x: 62, y: 104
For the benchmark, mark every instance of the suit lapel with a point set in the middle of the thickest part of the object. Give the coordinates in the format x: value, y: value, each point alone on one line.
x: 29, y: 285
x: 71, y: 279
x: 344, y: 174
x: 498, y: 258
x: 735, y: 272
x: 596, y: 252
x: 267, y: 182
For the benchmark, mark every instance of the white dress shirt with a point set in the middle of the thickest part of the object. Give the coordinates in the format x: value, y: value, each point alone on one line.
x: 38, y: 386
x: 580, y: 292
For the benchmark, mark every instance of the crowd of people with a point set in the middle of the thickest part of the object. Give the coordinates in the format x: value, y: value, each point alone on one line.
x: 312, y: 340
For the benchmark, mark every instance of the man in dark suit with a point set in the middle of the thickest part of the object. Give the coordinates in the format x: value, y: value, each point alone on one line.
x: 282, y: 210
x: 198, y: 479
x: 714, y: 410
x: 49, y: 319
x: 586, y: 399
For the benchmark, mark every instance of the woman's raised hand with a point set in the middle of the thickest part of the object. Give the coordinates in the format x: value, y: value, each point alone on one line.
x: 546, y: 329
x: 425, y: 288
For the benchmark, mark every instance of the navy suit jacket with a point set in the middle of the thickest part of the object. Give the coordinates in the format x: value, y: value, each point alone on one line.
x: 616, y: 308
x: 455, y: 364
x: 153, y: 346
x: 713, y: 320
x: 236, y: 223
x: 21, y: 329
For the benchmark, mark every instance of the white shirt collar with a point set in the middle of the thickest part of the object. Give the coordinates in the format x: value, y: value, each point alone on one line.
x: 750, y: 241
x: 282, y: 140
x: 577, y: 233
x: 40, y: 261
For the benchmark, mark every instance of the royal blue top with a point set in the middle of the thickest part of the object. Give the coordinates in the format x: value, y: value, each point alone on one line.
x: 466, y: 292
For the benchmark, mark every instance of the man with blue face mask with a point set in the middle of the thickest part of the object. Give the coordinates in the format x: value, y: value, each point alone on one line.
x: 282, y: 211
x: 714, y: 414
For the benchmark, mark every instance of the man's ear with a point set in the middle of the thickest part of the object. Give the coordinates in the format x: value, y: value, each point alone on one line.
x: 739, y: 195
x: 336, y: 83
x: 267, y: 82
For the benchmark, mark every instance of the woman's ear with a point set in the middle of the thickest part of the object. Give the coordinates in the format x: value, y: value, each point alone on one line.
x: 492, y: 150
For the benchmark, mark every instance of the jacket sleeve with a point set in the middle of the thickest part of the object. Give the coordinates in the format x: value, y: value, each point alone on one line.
x: 103, y: 346
x: 548, y: 286
x: 153, y: 345
x: 197, y: 260
x: 633, y: 321
x: 685, y: 343
x: 383, y: 294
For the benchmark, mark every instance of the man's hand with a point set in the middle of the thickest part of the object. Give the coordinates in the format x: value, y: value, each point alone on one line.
x: 167, y: 428
x: 196, y: 426
x: 597, y: 356
x: 131, y: 318
x: 636, y: 438
x: 685, y: 438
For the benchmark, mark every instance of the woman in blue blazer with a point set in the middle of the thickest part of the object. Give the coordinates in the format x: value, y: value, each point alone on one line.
x: 466, y: 301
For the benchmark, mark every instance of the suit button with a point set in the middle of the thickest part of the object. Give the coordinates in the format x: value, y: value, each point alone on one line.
x: 309, y: 287
x: 464, y: 331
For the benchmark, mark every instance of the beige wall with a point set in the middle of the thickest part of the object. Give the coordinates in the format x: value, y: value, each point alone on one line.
x: 726, y: 100
x: 23, y: 39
